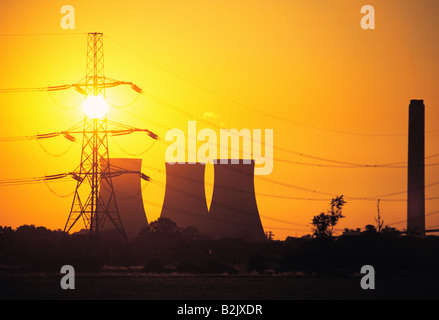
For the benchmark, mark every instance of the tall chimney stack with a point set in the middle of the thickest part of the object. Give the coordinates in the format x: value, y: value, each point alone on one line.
x: 416, y: 169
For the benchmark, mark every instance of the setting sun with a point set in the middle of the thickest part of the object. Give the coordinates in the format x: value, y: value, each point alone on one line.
x: 95, y: 107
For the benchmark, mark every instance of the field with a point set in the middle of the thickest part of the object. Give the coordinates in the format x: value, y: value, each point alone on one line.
x: 141, y: 286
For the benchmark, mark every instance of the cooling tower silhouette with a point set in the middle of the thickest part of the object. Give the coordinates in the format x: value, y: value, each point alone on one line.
x: 128, y: 191
x: 234, y: 211
x: 185, y: 199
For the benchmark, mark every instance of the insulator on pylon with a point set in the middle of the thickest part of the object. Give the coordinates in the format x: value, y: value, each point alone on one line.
x: 152, y: 135
x: 136, y: 88
x: 76, y: 177
x: 69, y: 136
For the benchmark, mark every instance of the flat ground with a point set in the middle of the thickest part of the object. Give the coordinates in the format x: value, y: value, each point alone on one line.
x: 140, y: 286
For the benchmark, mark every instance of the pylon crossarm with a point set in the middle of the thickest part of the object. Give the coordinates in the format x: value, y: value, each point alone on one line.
x: 69, y: 134
x: 78, y: 176
x: 101, y: 83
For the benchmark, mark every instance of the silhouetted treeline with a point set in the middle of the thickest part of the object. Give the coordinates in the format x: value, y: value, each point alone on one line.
x: 164, y: 247
x: 389, y: 255
x: 30, y: 246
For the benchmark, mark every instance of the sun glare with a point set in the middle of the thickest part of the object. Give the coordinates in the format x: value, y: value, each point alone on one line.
x: 95, y: 107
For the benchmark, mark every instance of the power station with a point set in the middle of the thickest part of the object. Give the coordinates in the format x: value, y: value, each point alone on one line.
x: 233, y: 212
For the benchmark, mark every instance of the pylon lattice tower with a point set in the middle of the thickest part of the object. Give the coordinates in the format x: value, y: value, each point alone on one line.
x: 94, y: 170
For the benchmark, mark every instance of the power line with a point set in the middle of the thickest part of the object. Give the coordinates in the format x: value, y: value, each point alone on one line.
x: 337, y: 163
x: 31, y: 180
x: 105, y: 82
x: 394, y: 165
x: 404, y: 221
x: 130, y: 153
x: 382, y: 197
x: 55, y: 154
x: 127, y: 130
x: 342, y: 163
x: 45, y: 179
x: 186, y: 192
x: 58, y: 177
x: 288, y: 185
x: 277, y: 117
x: 41, y: 34
x: 61, y: 105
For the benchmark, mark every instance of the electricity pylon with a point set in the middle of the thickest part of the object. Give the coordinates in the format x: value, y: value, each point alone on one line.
x: 94, y: 171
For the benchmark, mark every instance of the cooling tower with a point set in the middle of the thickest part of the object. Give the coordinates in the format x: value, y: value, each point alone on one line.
x: 234, y: 211
x: 185, y: 199
x: 128, y: 191
x: 416, y: 169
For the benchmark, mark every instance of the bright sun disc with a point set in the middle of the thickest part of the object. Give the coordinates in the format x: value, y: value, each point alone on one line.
x: 95, y: 107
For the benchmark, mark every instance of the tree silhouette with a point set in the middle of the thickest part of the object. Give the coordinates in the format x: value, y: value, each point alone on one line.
x: 370, y: 229
x: 323, y: 224
x: 378, y: 219
x: 163, y: 225
x: 269, y: 236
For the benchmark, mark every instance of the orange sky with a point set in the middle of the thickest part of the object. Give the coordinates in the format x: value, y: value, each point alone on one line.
x: 308, y: 62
